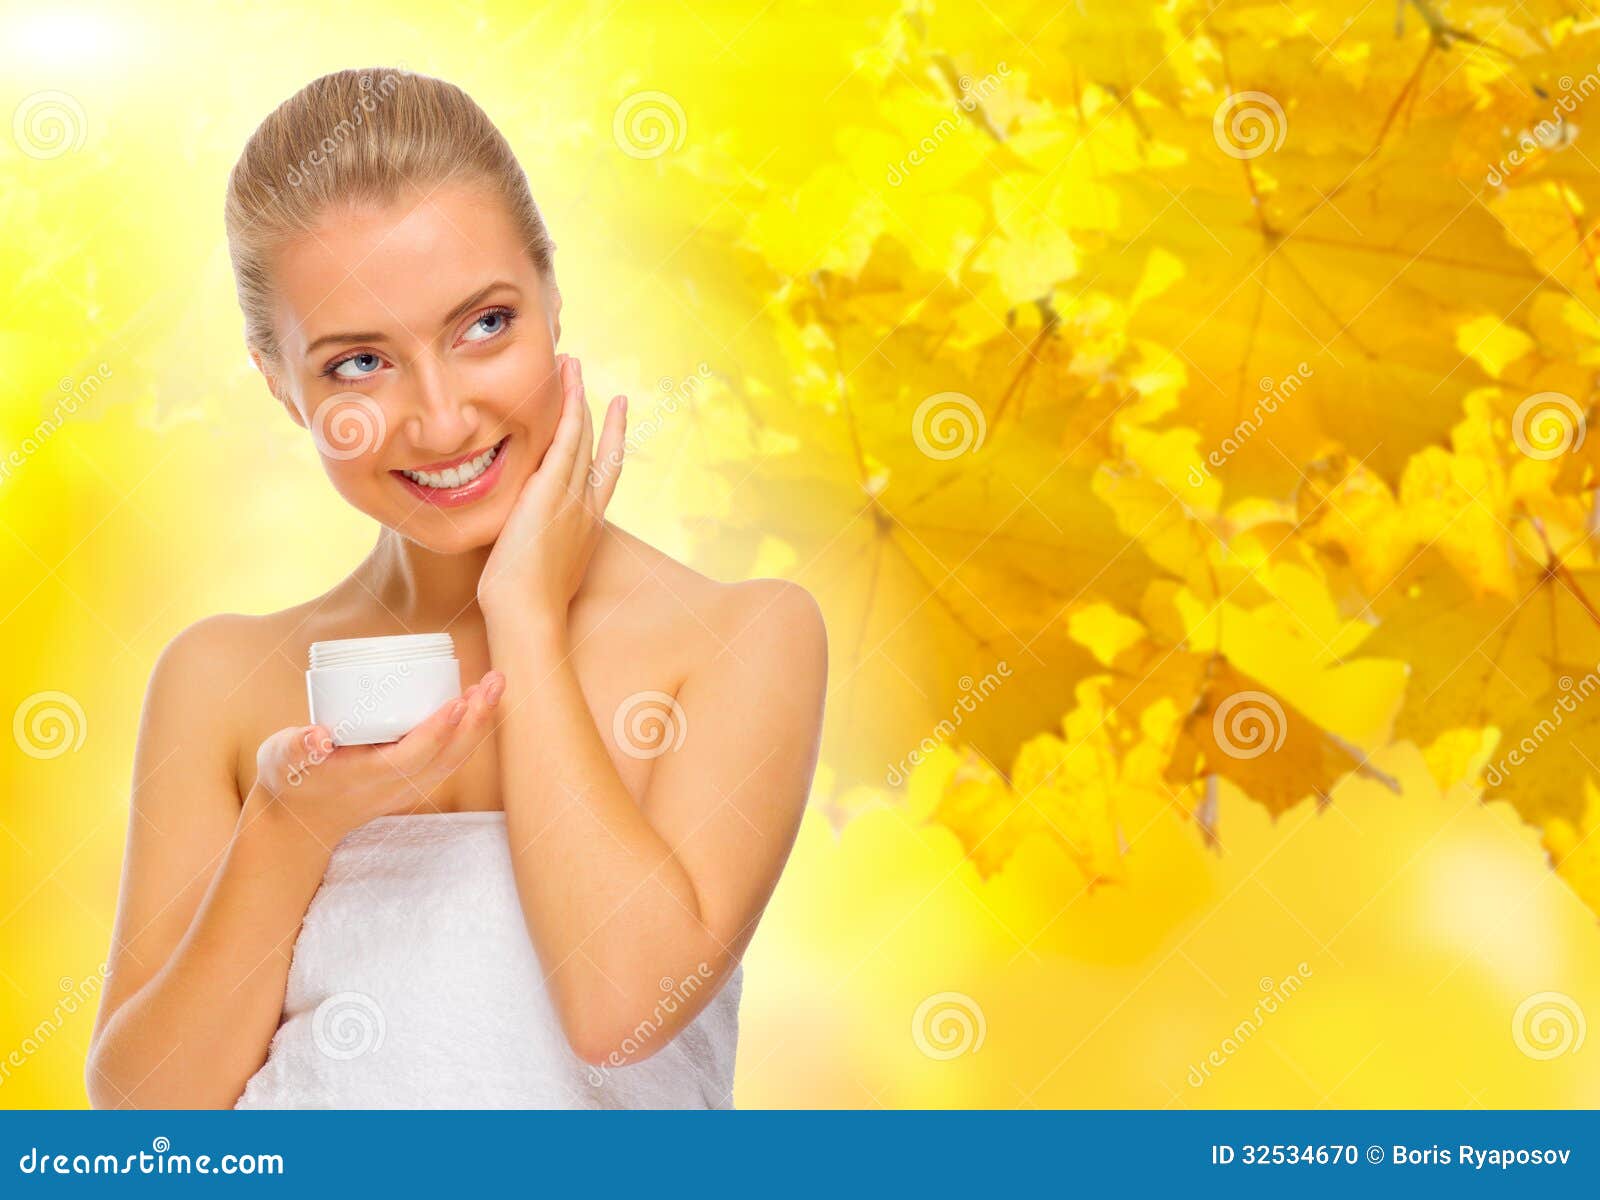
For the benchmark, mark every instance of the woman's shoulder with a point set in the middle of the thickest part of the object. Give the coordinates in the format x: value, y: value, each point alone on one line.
x: 696, y: 604
x: 226, y: 640
x: 772, y: 617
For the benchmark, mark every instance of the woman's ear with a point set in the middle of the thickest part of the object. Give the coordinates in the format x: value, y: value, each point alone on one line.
x: 274, y: 386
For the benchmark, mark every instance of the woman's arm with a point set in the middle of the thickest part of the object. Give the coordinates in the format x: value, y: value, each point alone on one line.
x: 625, y: 901
x: 186, y: 1028
x: 213, y: 892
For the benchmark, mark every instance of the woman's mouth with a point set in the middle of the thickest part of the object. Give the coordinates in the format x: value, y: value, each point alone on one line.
x: 458, y: 481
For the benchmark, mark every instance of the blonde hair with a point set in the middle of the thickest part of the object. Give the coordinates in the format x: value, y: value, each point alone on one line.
x: 354, y: 137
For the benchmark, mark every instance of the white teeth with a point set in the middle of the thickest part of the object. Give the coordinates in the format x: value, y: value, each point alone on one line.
x: 456, y: 476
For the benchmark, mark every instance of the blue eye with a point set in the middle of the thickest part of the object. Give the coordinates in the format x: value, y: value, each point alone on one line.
x: 369, y: 361
x: 503, y: 316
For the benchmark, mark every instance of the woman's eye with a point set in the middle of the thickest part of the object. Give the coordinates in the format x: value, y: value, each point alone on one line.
x: 365, y: 365
x: 488, y: 325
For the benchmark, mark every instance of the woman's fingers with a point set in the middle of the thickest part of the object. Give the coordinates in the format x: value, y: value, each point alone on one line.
x: 412, y: 753
x: 583, y: 453
x: 558, y: 458
x: 286, y: 757
x: 608, y: 460
x: 474, y: 727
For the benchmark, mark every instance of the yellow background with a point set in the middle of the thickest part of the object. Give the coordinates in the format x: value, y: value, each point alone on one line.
x: 1423, y: 919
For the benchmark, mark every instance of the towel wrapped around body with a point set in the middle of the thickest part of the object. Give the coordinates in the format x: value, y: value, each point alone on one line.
x: 415, y: 984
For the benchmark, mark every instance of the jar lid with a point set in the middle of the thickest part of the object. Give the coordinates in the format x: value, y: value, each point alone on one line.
x: 358, y: 652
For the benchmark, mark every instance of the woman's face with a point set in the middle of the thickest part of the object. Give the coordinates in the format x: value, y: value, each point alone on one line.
x: 418, y: 348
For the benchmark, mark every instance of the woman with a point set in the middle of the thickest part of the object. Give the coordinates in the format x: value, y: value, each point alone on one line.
x: 524, y: 902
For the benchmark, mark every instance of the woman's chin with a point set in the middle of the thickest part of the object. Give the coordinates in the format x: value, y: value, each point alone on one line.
x: 460, y: 533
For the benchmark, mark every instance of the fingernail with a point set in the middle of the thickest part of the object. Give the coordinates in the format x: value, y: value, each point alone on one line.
x: 309, y: 739
x: 496, y: 690
x: 457, y: 711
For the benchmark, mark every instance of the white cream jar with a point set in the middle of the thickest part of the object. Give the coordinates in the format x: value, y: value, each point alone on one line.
x: 371, y: 690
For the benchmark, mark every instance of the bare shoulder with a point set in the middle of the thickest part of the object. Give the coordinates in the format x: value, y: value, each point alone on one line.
x: 755, y: 621
x: 225, y: 650
x: 217, y: 677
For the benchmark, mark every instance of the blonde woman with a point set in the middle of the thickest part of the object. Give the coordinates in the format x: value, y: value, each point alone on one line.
x: 533, y: 899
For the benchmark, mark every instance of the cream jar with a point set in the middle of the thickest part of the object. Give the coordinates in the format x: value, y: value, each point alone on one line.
x: 371, y: 690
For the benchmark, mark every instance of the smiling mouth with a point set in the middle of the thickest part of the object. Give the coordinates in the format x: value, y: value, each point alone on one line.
x: 458, y: 473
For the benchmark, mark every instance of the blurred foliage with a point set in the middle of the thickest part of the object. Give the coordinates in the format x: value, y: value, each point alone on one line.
x: 1260, y: 348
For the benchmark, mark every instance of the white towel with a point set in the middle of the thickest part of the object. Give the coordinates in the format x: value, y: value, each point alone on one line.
x: 415, y: 985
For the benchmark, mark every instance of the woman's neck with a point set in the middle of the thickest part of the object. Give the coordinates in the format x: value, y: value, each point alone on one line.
x: 421, y: 589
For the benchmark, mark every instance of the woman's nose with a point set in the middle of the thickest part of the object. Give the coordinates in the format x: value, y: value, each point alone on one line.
x: 436, y: 419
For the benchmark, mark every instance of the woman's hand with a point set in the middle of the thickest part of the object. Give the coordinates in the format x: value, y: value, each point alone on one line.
x: 543, y: 551
x: 326, y: 791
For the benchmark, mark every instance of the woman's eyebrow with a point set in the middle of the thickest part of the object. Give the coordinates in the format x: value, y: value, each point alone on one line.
x: 459, y: 310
